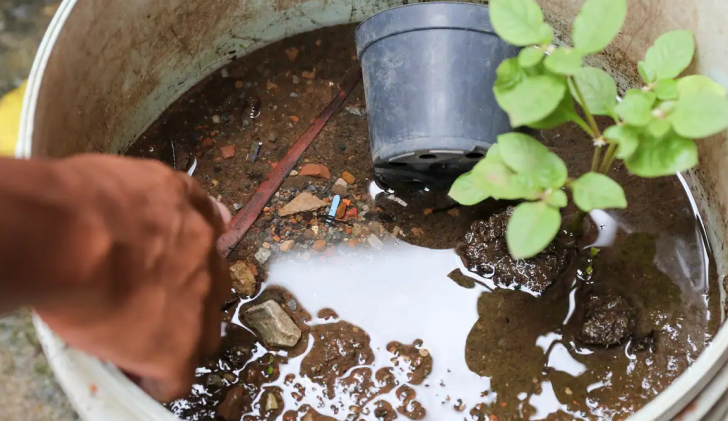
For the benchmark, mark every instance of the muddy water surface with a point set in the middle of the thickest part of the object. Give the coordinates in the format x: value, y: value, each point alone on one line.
x: 394, y: 324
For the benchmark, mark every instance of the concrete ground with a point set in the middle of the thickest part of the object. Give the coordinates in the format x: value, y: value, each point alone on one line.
x: 28, y: 390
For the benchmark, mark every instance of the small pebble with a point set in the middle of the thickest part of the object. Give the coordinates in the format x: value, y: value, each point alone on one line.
x: 342, y: 147
x: 246, y: 123
x: 292, y: 53
x: 272, y: 138
x: 216, y: 119
x: 296, y: 79
x: 294, y: 95
x: 237, y: 206
x: 266, y: 245
x: 228, y: 151
x: 262, y: 255
x: 287, y: 245
x: 319, y: 245
x: 224, y: 72
x: 293, y: 173
x: 239, y: 84
x: 312, y: 187
x: 375, y: 242
x: 348, y: 177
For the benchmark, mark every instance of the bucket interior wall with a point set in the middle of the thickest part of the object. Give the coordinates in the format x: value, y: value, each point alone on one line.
x: 108, y: 68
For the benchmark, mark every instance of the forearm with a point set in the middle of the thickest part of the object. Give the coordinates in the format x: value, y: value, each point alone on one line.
x: 52, y: 243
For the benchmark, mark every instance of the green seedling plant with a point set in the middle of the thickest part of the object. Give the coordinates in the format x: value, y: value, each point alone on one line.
x: 653, y: 131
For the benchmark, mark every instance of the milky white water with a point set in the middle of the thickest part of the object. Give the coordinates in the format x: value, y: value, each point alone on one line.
x: 414, y: 299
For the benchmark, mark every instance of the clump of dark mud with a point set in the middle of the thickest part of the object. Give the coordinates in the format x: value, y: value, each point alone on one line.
x: 608, y: 320
x: 485, y: 252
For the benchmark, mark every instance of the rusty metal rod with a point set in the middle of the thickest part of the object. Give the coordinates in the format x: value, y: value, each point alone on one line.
x: 244, y: 219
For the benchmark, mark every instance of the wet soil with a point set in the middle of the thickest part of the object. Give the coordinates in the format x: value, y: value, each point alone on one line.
x: 394, y: 325
x: 485, y: 252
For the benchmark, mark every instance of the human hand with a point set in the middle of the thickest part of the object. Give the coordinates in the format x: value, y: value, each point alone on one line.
x: 150, y: 284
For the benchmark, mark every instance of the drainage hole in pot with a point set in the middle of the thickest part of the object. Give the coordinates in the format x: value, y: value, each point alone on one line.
x: 474, y: 155
x: 428, y: 156
x: 398, y: 164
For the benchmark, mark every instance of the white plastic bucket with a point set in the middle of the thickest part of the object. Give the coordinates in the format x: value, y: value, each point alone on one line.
x: 108, y: 68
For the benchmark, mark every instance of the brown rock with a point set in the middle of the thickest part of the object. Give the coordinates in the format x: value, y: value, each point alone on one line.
x: 315, y: 170
x: 309, y: 75
x: 348, y: 177
x: 239, y: 84
x: 292, y: 53
x: 208, y: 143
x: 270, y: 86
x: 231, y: 408
x: 339, y: 190
x: 309, y: 234
x: 273, y: 324
x: 319, y: 245
x: 341, y: 211
x: 352, y: 213
x: 287, y: 245
x: 304, y: 202
x: 228, y: 151
x: 243, y: 278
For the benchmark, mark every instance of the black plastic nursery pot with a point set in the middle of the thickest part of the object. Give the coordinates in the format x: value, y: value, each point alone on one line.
x: 428, y: 72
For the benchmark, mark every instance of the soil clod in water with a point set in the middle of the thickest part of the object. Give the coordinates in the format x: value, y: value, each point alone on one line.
x: 486, y: 253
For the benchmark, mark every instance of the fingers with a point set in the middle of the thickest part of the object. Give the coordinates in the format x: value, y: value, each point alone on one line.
x: 224, y: 212
x: 168, y: 390
x: 200, y: 200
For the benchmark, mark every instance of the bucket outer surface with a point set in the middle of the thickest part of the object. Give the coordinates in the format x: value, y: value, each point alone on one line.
x: 428, y: 72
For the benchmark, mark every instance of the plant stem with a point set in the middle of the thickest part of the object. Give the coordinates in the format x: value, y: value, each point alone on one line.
x: 608, y: 159
x: 589, y: 117
x: 581, y: 123
x: 596, y: 158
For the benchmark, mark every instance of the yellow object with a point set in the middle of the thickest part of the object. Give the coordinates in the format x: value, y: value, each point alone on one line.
x: 10, y: 106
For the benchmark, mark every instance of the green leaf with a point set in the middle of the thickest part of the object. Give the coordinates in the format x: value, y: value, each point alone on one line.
x: 508, y: 74
x: 557, y: 199
x: 533, y: 99
x: 598, y: 22
x: 659, y: 128
x: 635, y: 108
x: 467, y: 191
x: 659, y: 157
x: 698, y: 83
x: 626, y: 137
x: 700, y: 114
x: 530, y: 56
x: 531, y: 229
x: 598, y: 89
x: 501, y: 182
x: 670, y: 56
x: 519, y: 22
x: 666, y: 89
x: 527, y: 156
x: 597, y: 191
x: 563, y: 113
x: 564, y: 61
x: 644, y: 73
